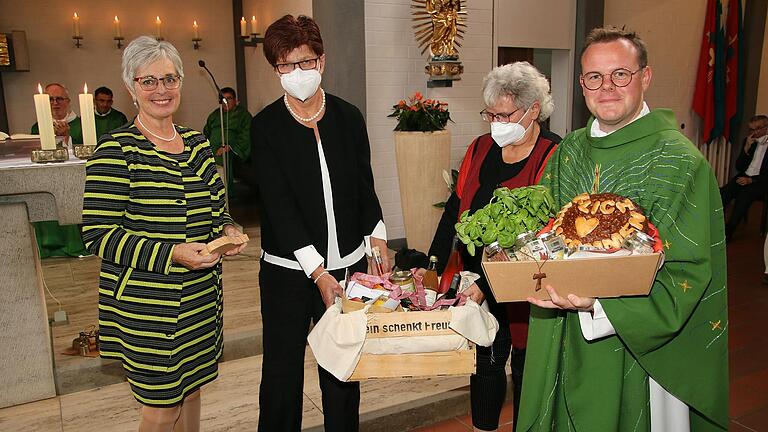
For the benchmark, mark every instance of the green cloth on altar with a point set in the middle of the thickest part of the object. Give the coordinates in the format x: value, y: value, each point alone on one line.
x: 237, y: 133
x: 678, y: 333
x: 108, y: 122
x: 75, y: 130
x: 54, y: 240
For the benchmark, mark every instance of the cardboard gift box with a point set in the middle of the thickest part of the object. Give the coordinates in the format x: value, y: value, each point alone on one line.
x: 600, y: 277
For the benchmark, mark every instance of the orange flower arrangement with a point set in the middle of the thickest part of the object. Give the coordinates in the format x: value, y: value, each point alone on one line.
x: 420, y: 115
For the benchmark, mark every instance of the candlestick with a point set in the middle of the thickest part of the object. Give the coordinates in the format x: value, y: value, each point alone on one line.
x: 44, y: 120
x: 76, y: 26
x: 87, y: 117
x: 253, y: 24
x: 158, y: 29
x: 118, y: 33
x: 243, y: 27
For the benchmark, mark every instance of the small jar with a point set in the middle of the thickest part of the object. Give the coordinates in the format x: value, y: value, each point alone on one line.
x: 494, y: 252
x: 404, y: 278
x: 554, y: 244
x: 521, y: 246
x: 639, y: 243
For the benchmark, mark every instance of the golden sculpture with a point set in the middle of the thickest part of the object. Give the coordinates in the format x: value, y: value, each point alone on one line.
x: 439, y: 23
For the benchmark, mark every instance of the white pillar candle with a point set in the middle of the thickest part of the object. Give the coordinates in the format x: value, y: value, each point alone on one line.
x: 253, y: 24
x: 195, y: 29
x: 118, y: 33
x: 158, y: 28
x: 44, y: 120
x: 87, y: 117
x: 76, y: 25
x: 243, y: 27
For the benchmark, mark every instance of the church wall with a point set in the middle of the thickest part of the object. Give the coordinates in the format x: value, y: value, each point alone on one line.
x: 53, y: 56
x: 395, y: 70
x: 672, y: 29
x: 762, y: 88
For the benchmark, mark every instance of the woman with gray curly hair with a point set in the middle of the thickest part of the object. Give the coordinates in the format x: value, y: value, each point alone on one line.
x: 152, y: 200
x: 517, y: 98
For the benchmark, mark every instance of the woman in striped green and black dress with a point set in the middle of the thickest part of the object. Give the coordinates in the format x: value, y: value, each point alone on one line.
x: 152, y: 200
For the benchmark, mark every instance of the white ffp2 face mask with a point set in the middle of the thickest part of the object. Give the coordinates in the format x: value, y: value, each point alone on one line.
x: 505, y: 134
x: 301, y: 84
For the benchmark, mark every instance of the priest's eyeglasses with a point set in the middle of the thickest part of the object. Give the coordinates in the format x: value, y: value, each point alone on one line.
x: 620, y: 78
x: 500, y: 117
x: 149, y: 83
x: 307, y: 64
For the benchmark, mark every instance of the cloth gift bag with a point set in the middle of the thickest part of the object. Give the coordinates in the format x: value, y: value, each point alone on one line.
x: 337, y: 340
x: 474, y: 322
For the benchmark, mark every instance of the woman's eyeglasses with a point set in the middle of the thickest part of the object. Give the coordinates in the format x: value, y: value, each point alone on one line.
x: 149, y: 83
x: 620, y: 78
x: 307, y: 64
x: 501, y: 117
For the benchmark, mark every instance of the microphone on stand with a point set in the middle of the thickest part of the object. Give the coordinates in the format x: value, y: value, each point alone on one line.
x: 225, y: 156
x: 201, y: 63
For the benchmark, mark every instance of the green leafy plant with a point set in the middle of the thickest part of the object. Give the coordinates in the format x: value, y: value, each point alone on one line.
x: 509, y: 213
x: 420, y: 115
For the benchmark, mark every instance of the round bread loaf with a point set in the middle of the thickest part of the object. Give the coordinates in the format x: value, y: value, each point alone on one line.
x: 602, y: 220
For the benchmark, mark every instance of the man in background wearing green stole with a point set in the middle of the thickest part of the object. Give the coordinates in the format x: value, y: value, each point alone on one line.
x: 107, y: 118
x: 650, y: 363
x: 54, y: 239
x: 237, y: 133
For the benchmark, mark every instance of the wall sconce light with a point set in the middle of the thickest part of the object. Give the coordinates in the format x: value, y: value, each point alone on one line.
x: 76, y: 30
x: 196, y: 35
x: 118, y: 34
x: 253, y: 38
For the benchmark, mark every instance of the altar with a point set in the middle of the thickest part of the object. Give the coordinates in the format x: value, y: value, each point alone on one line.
x: 30, y: 192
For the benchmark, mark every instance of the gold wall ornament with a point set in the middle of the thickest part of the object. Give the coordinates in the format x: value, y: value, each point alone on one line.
x: 438, y: 26
x: 5, y: 53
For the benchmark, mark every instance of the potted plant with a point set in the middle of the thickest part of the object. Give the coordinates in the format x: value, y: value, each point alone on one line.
x: 422, y: 152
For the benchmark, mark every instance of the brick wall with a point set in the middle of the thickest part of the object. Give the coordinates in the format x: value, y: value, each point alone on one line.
x: 395, y: 70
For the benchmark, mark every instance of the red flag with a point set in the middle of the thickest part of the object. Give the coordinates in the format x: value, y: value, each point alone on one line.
x: 732, y: 67
x: 707, y: 77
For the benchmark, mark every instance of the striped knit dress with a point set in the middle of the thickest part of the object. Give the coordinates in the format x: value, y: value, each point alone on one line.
x: 160, y: 319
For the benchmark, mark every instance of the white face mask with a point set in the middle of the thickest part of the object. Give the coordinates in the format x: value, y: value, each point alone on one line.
x: 301, y: 84
x: 505, y: 134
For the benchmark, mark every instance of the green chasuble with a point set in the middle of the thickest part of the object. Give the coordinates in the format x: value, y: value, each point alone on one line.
x: 678, y: 333
x: 54, y: 239
x: 237, y: 132
x: 108, y: 122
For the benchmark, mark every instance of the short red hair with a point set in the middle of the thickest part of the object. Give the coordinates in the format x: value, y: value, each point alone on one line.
x: 289, y: 33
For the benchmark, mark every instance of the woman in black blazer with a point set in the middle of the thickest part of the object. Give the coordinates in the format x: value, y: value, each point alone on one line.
x: 320, y: 215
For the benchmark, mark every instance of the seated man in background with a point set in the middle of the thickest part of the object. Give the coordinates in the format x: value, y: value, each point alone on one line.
x: 107, y: 118
x: 52, y: 238
x: 751, y: 181
x: 237, y: 134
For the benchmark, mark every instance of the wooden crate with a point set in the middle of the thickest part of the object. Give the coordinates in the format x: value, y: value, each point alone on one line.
x: 422, y: 365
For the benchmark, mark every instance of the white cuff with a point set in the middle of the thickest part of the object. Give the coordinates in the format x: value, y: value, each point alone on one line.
x: 308, y: 259
x: 595, y: 324
x: 380, y: 232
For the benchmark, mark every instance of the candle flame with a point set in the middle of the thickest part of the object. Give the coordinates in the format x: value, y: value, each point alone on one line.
x: 39, y: 88
x: 75, y: 17
x: 194, y: 23
x: 116, y: 20
x: 253, y: 18
x: 157, y: 20
x: 85, y: 88
x: 242, y: 19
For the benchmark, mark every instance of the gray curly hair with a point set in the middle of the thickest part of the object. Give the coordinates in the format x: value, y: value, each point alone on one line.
x: 145, y: 50
x: 523, y: 82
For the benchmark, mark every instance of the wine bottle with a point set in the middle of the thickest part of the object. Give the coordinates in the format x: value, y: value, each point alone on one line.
x: 452, y: 267
x: 453, y: 290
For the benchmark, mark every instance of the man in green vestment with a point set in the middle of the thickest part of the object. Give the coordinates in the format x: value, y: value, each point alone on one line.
x: 107, y: 118
x: 649, y: 363
x: 237, y: 134
x: 54, y: 239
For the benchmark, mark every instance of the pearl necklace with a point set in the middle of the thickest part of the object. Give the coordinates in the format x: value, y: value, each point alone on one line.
x: 307, y: 119
x: 155, y: 135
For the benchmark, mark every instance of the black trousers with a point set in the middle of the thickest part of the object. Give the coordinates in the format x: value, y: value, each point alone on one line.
x: 488, y: 386
x: 744, y: 196
x: 289, y: 302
